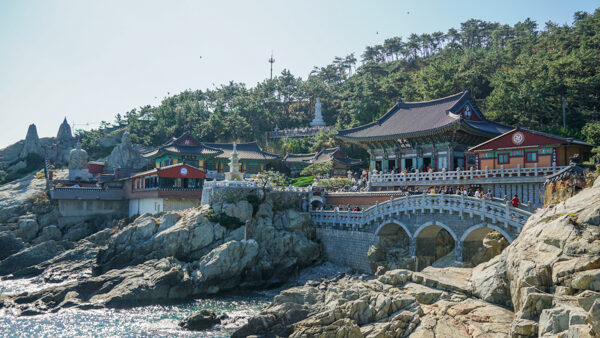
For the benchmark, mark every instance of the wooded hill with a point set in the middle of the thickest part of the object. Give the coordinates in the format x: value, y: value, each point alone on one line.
x: 517, y: 74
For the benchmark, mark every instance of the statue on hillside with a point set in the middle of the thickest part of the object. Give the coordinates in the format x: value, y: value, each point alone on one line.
x: 78, y: 158
x: 318, y: 120
x: 125, y: 155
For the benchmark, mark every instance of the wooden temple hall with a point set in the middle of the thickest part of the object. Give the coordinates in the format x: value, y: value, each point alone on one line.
x: 425, y: 135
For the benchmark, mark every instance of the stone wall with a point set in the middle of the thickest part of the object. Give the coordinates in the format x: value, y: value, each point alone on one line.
x: 347, y: 248
x: 85, y: 208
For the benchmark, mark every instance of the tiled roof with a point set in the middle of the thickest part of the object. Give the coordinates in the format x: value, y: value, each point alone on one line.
x: 412, y: 119
x: 299, y: 158
x: 246, y: 151
x: 172, y: 146
x: 564, y: 140
x: 325, y: 155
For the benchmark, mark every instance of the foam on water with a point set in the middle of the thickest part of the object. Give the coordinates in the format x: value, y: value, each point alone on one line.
x: 146, y: 321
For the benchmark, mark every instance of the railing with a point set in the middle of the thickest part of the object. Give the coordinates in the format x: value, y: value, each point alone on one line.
x: 496, y: 211
x: 299, y: 132
x: 230, y: 184
x: 431, y: 177
x: 253, y: 184
x: 213, y: 174
x: 166, y: 189
x: 87, y: 193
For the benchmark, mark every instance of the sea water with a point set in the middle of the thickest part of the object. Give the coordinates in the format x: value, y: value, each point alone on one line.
x: 145, y: 321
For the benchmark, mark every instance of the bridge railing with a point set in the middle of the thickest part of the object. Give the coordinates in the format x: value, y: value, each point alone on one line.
x: 420, y: 177
x: 496, y: 212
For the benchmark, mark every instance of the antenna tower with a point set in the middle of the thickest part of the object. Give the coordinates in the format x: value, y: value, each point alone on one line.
x: 271, y: 61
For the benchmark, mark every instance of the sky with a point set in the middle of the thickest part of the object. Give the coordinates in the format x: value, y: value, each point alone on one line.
x: 88, y: 60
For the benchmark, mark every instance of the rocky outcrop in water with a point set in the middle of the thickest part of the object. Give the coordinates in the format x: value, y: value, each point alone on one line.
x: 399, y: 303
x: 172, y: 257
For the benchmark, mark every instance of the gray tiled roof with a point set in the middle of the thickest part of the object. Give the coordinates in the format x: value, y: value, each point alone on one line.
x: 325, y: 155
x: 412, y: 119
x: 172, y: 146
x: 246, y: 151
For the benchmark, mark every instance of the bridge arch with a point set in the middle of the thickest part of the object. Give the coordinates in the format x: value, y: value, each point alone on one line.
x: 432, y: 241
x: 435, y: 223
x: 400, y: 224
x: 486, y: 225
x: 481, y: 243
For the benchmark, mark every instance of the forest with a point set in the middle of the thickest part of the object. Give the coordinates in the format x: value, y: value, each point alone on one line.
x: 523, y: 74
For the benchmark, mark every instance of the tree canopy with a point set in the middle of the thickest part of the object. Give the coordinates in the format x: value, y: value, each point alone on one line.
x: 520, y: 74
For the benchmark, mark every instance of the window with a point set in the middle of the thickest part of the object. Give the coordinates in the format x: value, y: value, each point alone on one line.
x: 503, y: 158
x: 531, y: 156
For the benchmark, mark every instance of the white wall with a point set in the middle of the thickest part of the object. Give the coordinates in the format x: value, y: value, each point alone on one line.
x: 141, y: 206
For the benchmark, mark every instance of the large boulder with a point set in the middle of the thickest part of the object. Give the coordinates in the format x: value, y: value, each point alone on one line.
x: 30, y: 256
x: 201, y: 320
x: 28, y: 228
x: 228, y: 260
x: 9, y: 244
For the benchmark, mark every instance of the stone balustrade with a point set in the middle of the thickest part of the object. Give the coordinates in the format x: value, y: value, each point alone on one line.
x: 494, y: 211
x: 450, y: 177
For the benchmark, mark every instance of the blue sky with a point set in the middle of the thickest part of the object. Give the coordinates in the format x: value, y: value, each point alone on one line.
x: 89, y: 60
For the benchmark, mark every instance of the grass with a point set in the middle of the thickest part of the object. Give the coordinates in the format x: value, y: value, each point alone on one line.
x: 303, y: 181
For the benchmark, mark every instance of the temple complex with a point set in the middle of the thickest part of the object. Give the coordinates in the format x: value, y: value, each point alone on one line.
x: 212, y: 158
x: 419, y: 135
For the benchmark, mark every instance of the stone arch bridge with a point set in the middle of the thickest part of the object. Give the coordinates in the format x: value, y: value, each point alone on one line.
x: 418, y: 219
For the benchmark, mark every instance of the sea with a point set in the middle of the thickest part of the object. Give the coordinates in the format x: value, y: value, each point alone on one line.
x: 144, y: 321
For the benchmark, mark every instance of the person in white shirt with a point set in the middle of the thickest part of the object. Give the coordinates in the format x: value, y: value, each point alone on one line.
x: 477, y: 193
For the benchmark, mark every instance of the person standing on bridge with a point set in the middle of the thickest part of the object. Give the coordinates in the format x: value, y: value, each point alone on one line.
x: 515, y: 201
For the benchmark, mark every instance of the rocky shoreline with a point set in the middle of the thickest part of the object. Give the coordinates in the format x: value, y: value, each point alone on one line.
x: 546, y: 283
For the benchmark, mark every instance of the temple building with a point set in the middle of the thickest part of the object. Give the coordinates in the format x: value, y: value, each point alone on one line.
x: 432, y: 134
x: 527, y: 148
x: 167, y: 188
x: 211, y: 158
x: 341, y: 163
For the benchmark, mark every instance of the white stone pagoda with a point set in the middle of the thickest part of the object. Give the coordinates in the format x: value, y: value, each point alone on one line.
x: 234, y: 173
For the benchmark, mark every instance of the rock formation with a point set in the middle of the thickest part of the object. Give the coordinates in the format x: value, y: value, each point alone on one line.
x: 125, y: 155
x: 173, y: 256
x: 64, y: 132
x: 397, y: 304
x: 550, y: 273
x: 32, y: 143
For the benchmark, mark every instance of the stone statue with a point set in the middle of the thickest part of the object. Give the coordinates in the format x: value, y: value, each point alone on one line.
x: 125, y: 155
x: 318, y: 120
x: 78, y: 158
x: 32, y: 143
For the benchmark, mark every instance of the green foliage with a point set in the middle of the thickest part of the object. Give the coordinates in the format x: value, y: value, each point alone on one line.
x: 255, y: 202
x: 229, y: 222
x: 317, y: 168
x: 303, y: 181
x: 335, y: 183
x: 591, y: 131
x: 266, y: 177
x: 517, y: 74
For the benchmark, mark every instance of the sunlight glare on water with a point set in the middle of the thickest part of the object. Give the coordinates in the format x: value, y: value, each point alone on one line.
x: 147, y: 321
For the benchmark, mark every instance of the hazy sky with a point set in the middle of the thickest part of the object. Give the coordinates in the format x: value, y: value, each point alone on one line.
x: 89, y: 60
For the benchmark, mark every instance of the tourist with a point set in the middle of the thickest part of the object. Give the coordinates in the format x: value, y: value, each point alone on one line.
x: 515, y: 201
x: 477, y: 193
x: 488, y: 196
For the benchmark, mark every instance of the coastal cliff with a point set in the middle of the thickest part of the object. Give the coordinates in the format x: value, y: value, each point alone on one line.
x: 546, y: 283
x: 154, y: 259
